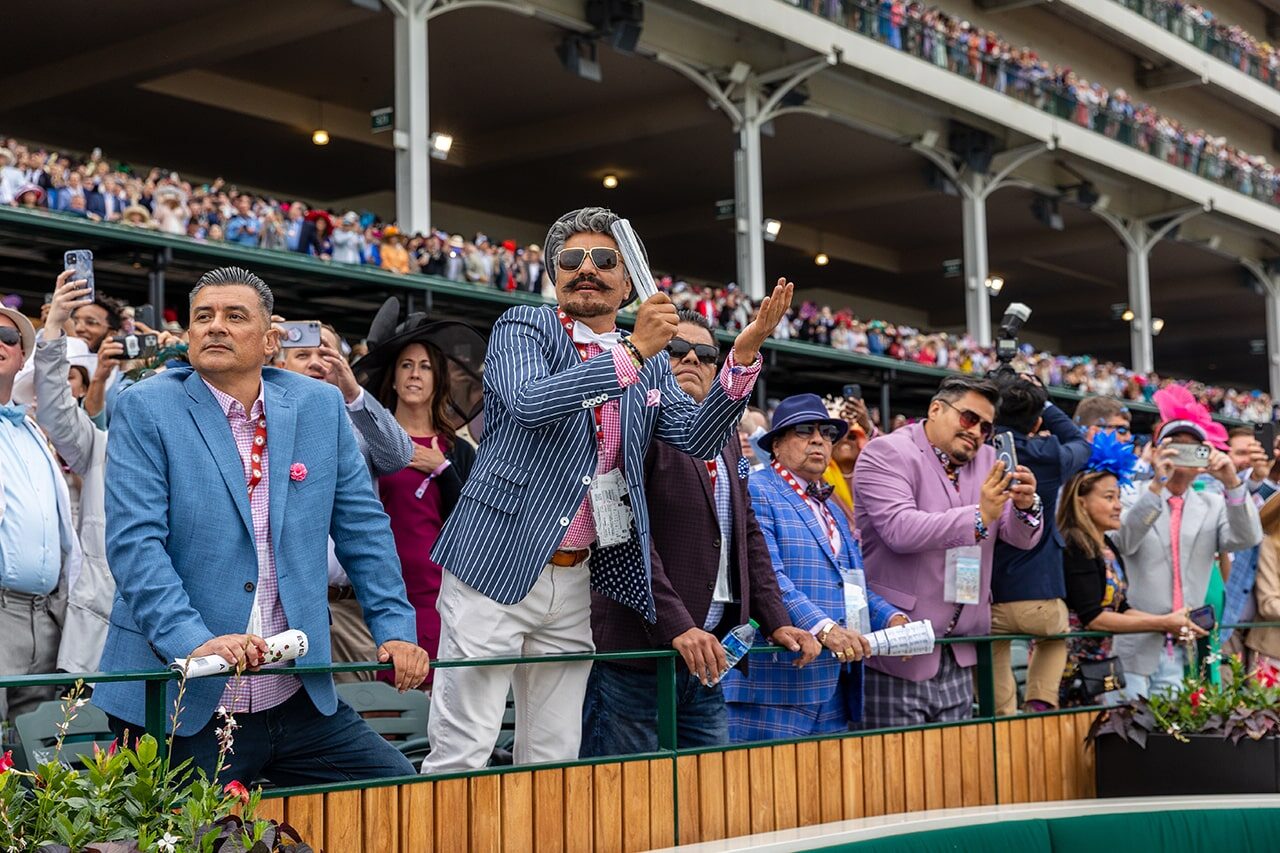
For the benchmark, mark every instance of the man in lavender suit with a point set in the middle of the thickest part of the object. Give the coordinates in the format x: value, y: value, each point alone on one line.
x: 931, y: 502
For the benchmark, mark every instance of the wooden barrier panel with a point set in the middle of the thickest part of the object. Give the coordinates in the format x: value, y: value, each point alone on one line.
x: 644, y: 804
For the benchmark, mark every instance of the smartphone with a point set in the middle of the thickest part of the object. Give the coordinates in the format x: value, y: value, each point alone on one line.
x: 1005, y: 452
x: 300, y: 334
x: 1203, y: 617
x: 853, y: 391
x: 1191, y: 455
x: 1266, y: 436
x: 80, y: 260
x: 146, y: 315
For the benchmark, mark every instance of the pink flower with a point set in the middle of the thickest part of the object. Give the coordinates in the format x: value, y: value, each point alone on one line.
x: 1267, y: 675
x: 297, y: 472
x: 6, y: 761
x: 237, y: 790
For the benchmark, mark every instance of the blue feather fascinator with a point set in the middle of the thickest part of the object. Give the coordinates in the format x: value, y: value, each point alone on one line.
x: 1112, y: 456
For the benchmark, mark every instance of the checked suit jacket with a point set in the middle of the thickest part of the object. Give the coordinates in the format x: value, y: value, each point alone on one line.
x: 808, y: 573
x: 686, y: 556
x: 538, y: 455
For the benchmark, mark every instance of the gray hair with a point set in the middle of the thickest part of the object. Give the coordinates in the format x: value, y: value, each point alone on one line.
x: 237, y: 275
x: 585, y: 220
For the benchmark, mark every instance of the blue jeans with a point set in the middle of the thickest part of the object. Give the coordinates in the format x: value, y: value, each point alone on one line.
x: 290, y: 744
x: 1165, y: 681
x: 620, y: 715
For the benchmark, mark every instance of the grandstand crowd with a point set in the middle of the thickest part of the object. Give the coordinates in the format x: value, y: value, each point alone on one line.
x: 97, y: 189
x: 951, y: 42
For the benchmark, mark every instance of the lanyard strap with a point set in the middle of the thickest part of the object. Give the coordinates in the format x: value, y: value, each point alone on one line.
x: 828, y: 519
x: 255, y: 454
x: 597, y: 411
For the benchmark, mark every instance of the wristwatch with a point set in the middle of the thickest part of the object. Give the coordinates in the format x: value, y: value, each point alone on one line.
x: 822, y: 635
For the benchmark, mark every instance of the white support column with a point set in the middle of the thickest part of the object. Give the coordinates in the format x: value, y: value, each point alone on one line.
x: 973, y: 215
x: 1141, y: 342
x: 1273, y: 337
x: 412, y: 130
x: 749, y: 197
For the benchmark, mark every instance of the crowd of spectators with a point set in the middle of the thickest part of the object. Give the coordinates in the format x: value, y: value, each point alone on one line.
x: 950, y: 42
x: 97, y: 189
x: 1199, y: 26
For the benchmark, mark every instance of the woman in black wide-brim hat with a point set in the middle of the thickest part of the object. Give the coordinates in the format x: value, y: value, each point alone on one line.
x: 426, y: 373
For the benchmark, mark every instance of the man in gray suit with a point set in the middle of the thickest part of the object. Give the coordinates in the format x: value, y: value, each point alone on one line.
x: 1163, y: 578
x: 386, y: 449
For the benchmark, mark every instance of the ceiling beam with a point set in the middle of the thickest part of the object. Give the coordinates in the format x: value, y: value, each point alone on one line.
x: 226, y: 33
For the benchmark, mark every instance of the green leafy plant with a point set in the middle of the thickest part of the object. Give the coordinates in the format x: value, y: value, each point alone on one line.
x: 1246, y: 705
x: 130, y: 798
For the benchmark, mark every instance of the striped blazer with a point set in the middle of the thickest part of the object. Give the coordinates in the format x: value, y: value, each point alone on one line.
x: 812, y: 590
x: 538, y: 455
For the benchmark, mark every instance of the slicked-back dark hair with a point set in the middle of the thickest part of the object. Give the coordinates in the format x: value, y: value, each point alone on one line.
x: 955, y: 387
x: 237, y: 275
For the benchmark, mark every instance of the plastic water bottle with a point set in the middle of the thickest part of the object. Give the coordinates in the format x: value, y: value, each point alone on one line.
x: 738, y: 642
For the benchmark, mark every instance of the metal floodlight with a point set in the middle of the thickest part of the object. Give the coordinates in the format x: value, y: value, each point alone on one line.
x: 995, y: 284
x: 1157, y: 325
x: 578, y: 56
x: 1127, y: 315
x: 771, y: 229
x: 441, y: 143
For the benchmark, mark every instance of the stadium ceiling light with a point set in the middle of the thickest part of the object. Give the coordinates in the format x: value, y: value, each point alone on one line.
x: 771, y: 229
x: 610, y: 182
x: 1127, y: 316
x: 995, y: 284
x: 320, y: 136
x: 441, y: 143
x: 1157, y: 325
x: 821, y: 259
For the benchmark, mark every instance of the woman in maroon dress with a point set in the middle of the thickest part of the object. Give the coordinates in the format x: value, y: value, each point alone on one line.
x: 415, y: 388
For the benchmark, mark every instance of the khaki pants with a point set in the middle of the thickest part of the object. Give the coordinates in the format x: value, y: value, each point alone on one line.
x: 30, y: 647
x: 1044, y: 671
x: 350, y: 639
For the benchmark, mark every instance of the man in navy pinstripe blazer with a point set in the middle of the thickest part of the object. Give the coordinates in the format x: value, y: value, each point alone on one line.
x: 570, y: 404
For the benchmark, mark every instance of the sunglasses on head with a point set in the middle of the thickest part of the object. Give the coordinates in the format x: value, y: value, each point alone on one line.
x: 602, y: 257
x: 10, y: 336
x: 970, y: 419
x: 678, y: 348
x: 828, y: 431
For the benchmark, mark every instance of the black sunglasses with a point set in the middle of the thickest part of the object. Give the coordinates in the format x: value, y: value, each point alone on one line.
x: 678, y: 348
x: 828, y: 431
x: 10, y: 336
x: 969, y: 420
x: 602, y: 257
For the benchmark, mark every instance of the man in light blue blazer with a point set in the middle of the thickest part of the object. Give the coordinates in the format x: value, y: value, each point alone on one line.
x: 223, y: 482
x: 555, y: 504
x: 819, y: 568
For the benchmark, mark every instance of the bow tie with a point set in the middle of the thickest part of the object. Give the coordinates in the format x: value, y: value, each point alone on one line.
x: 583, y: 335
x: 819, y: 491
x: 16, y: 412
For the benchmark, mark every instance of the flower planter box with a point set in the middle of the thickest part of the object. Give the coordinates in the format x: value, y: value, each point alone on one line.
x: 1208, y: 764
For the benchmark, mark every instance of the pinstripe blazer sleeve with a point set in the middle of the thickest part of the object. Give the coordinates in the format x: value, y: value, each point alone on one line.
x: 804, y: 613
x: 700, y: 430
x: 518, y: 370
x: 388, y: 447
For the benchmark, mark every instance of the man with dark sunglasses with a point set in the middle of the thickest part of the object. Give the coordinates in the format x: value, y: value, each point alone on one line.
x: 931, y: 501
x: 37, y: 536
x: 711, y: 573
x: 555, y: 505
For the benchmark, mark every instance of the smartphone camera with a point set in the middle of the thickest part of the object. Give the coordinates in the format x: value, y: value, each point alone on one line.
x: 138, y: 346
x: 853, y: 391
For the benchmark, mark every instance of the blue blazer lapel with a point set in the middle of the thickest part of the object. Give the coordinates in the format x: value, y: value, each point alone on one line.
x: 802, y: 508
x: 213, y: 427
x: 281, y: 424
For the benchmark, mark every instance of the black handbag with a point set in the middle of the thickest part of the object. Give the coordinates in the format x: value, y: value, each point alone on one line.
x: 1101, y: 676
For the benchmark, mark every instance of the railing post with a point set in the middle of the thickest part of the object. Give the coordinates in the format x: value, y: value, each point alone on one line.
x: 986, y: 680
x: 154, y: 709
x: 667, y: 703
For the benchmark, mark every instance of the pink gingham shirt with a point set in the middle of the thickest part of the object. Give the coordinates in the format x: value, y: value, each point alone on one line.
x: 736, y: 383
x: 258, y: 693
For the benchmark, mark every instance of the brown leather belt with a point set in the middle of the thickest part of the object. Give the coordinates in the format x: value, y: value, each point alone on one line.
x: 570, y: 558
x: 341, y: 593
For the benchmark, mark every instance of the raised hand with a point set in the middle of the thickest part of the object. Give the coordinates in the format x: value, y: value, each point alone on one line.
x: 770, y: 313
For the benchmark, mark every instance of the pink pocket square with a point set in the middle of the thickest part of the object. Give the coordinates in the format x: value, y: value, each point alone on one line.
x: 653, y: 397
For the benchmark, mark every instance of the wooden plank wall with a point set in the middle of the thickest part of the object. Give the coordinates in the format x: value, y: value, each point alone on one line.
x: 630, y: 806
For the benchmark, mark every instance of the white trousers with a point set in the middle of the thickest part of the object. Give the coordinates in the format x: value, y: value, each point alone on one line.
x: 467, y: 703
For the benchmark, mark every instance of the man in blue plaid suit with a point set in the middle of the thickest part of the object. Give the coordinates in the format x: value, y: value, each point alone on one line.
x: 819, y: 568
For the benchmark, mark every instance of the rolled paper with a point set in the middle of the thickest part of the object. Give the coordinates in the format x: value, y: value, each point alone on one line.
x: 281, y: 648
x: 913, y: 638
x: 633, y: 257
